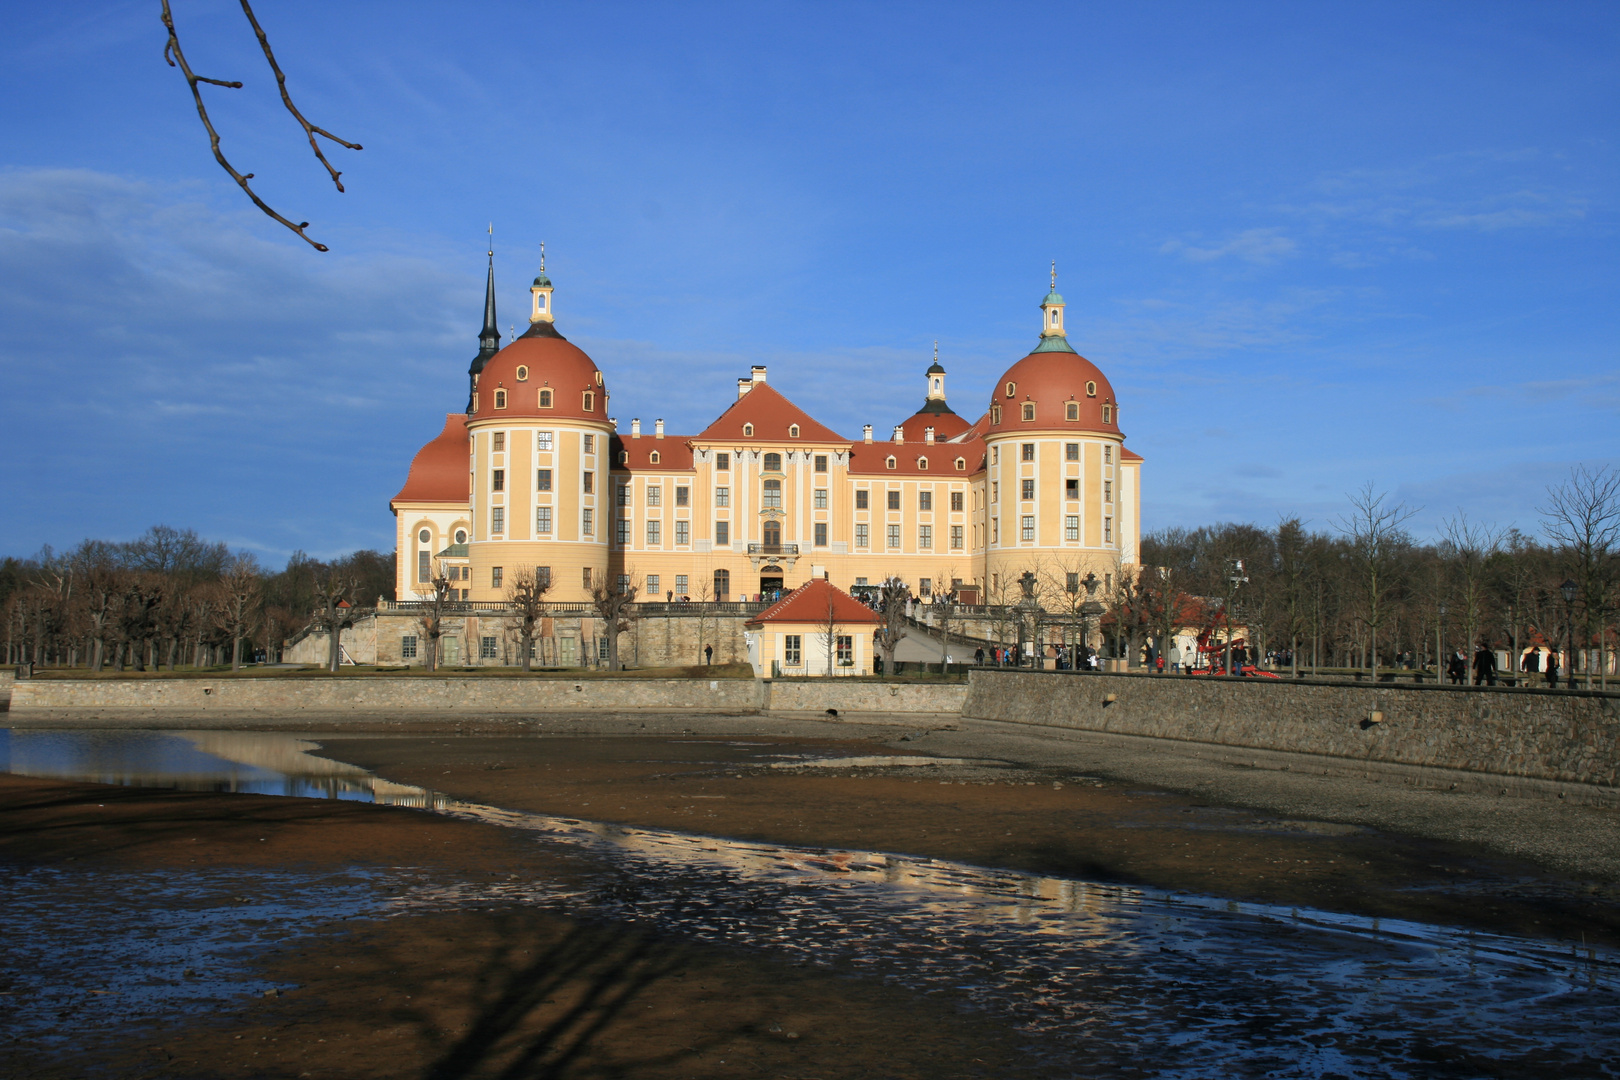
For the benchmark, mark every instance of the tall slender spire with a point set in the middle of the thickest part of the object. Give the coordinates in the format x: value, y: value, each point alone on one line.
x: 489, y: 338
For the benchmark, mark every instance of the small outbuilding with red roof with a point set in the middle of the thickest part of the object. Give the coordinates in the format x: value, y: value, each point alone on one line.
x: 817, y: 629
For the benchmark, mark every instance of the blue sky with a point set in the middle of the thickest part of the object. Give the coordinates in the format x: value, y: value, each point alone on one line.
x: 1313, y: 245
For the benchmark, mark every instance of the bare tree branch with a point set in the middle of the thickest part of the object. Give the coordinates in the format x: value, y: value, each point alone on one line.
x: 173, y: 55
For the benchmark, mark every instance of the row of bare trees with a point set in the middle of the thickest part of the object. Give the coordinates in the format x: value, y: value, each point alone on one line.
x: 170, y: 598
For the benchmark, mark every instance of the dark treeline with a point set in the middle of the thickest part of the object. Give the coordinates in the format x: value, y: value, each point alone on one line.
x: 170, y: 598
x: 1364, y: 591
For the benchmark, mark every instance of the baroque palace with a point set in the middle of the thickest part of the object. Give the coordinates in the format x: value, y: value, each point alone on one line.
x: 536, y: 474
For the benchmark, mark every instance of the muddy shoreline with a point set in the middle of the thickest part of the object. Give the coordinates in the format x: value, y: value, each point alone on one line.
x: 511, y: 990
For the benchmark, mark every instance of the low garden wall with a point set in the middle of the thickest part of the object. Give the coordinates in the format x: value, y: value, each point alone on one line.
x: 1568, y: 736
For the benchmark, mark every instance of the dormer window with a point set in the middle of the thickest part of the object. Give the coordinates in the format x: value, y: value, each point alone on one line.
x: 995, y: 414
x: 1072, y: 411
x: 500, y: 399
x: 654, y: 457
x: 523, y: 373
x: 545, y: 399
x: 922, y: 463
x: 748, y: 430
x: 1012, y: 388
x: 961, y: 464
x: 590, y: 401
x: 624, y: 457
x: 793, y: 432
x: 1029, y: 410
x: 890, y: 462
x: 1091, y: 389
x: 1108, y: 414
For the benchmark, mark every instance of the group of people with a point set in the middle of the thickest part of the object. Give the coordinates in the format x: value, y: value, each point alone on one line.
x: 1484, y: 666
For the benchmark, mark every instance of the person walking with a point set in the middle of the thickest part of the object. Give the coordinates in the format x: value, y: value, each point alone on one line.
x: 708, y: 654
x: 1484, y: 666
x: 1175, y: 658
x: 1552, y: 670
x: 978, y: 656
x: 1457, y: 669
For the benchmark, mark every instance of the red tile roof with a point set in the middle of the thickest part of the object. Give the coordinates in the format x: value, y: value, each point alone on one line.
x: 674, y: 453
x: 808, y: 604
x: 439, y: 472
x: 771, y: 414
x: 872, y: 459
x: 1127, y: 454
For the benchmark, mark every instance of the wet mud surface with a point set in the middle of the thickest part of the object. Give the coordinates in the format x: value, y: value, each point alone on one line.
x: 773, y: 907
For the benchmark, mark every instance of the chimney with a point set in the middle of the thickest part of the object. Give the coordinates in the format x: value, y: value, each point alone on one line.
x: 928, y: 436
x: 758, y: 371
x: 658, y: 428
x: 743, y: 386
x: 613, y: 422
x: 899, y: 434
x: 866, y: 432
x: 635, y: 428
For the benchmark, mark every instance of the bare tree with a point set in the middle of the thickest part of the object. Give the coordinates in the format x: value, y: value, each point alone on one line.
x: 1582, y: 515
x: 240, y: 594
x: 1469, y: 547
x: 705, y: 594
x: 829, y: 630
x: 892, y: 597
x: 527, y: 595
x: 432, y: 618
x: 175, y: 58
x: 334, y: 611
x: 1374, y: 530
x: 613, y: 605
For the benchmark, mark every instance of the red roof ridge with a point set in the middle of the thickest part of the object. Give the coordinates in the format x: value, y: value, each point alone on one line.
x: 808, y: 604
x: 771, y: 413
x: 439, y: 470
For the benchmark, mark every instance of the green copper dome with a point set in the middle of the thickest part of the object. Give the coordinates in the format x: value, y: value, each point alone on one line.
x: 1052, y: 298
x: 541, y: 281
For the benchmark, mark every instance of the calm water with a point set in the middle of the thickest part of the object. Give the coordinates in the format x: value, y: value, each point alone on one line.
x: 1133, y: 982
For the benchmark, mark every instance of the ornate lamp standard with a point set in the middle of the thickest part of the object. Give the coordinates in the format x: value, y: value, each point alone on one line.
x: 1235, y: 577
x: 1568, y: 588
x: 1091, y: 611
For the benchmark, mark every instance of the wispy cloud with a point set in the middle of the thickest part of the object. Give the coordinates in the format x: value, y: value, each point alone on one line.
x: 1251, y: 245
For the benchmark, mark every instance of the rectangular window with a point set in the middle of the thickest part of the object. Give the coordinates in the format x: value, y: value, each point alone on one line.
x: 995, y: 491
x: 486, y: 648
x: 542, y: 440
x: 652, y: 586
x: 995, y: 455
x: 680, y: 584
x: 1108, y: 491
x: 995, y: 530
x: 495, y: 577
x: 821, y: 498
x: 497, y: 480
x: 1028, y: 451
x: 621, y: 496
x: 585, y: 577
x: 683, y: 532
x: 925, y: 536
x: 862, y: 536
x: 655, y: 496
x: 722, y: 496
x: 956, y: 501
x: 542, y: 519
x: 956, y: 538
x: 925, y: 586
x: 1108, y: 530
x: 925, y: 500
x: 821, y: 463
x: 1071, y: 527
x: 845, y: 648
x: 722, y: 462
x: 1071, y: 488
x: 1028, y: 528
x: 792, y: 649
x: 771, y: 499
x: 683, y: 496
x: 860, y: 500
x: 424, y: 565
x: 1026, y: 489
x: 500, y: 441
x: 497, y: 518
x: 1108, y: 455
x: 542, y: 574
x: 587, y: 520
x: 894, y: 500
x: 407, y: 647
x: 894, y: 536
x: 542, y: 480
x: 722, y: 533
x: 1071, y: 451
x: 655, y: 532
x: 589, y: 483
x: 821, y: 534
x: 590, y: 444
x: 621, y: 532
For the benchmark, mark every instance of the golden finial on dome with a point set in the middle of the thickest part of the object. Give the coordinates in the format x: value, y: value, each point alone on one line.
x: 1054, y: 275
x: 543, y: 255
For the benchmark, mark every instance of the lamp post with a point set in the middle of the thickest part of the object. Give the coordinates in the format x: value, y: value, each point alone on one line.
x: 1234, y: 578
x: 1568, y: 589
x: 1440, y: 645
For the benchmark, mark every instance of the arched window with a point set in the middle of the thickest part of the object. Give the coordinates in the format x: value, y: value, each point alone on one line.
x: 1029, y: 410
x: 1108, y: 414
x: 748, y: 430
x: 773, y: 495
x: 1072, y: 411
x: 522, y: 373
x: 500, y: 399
x: 654, y: 457
x: 961, y: 464
x: 793, y: 432
x: 922, y: 463
x: 545, y: 399
x: 1054, y: 317
x: 1091, y: 389
x: 1012, y: 388
x: 773, y: 462
x: 590, y: 401
x: 890, y: 462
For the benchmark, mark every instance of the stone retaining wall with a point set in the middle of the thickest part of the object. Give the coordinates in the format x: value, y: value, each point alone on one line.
x: 1569, y: 736
x: 849, y: 696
